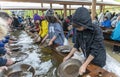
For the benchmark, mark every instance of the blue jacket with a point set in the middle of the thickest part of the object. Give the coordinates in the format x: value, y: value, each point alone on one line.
x: 3, y: 61
x: 2, y: 44
x: 2, y: 51
x: 116, y: 32
x: 6, y: 39
x: 55, y: 29
x: 106, y: 23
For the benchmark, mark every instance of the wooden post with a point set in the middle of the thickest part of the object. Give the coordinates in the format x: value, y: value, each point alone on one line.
x: 61, y: 12
x: 33, y: 12
x: 69, y: 9
x: 51, y: 5
x: 42, y: 8
x: 65, y: 11
x: 93, y: 9
x: 101, y: 7
x: 104, y: 9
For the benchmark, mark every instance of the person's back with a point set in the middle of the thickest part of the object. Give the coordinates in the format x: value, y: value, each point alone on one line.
x: 55, y: 29
x: 116, y: 32
x: 66, y: 24
x: 15, y: 22
x: 108, y: 15
x: 106, y: 23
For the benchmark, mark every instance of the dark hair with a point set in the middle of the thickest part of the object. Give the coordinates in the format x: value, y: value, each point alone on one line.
x: 52, y: 19
x: 107, y: 11
x: 106, y: 18
x: 4, y: 15
x: 96, y: 17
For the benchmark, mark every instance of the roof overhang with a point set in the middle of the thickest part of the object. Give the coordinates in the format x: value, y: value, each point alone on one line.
x: 68, y: 2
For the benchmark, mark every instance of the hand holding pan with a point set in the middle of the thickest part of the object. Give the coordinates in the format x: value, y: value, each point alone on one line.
x: 18, y: 56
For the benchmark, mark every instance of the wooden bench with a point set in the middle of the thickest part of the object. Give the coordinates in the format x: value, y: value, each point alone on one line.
x: 111, y: 42
x: 96, y: 71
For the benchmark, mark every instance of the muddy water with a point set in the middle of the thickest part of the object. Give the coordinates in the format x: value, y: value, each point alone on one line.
x: 43, y: 63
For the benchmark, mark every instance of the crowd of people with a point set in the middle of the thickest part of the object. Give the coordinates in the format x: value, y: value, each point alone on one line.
x: 86, y: 34
x: 5, y: 22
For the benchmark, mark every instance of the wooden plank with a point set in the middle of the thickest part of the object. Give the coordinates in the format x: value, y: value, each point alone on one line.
x: 96, y: 71
x: 93, y: 9
x: 111, y: 42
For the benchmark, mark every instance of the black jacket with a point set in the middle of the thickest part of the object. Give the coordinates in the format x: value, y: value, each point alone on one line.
x: 91, y: 39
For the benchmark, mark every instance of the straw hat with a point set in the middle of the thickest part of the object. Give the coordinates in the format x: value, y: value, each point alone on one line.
x: 70, y: 68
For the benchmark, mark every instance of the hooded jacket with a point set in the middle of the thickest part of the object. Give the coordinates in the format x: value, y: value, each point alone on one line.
x: 116, y: 32
x: 89, y: 40
x: 44, y: 28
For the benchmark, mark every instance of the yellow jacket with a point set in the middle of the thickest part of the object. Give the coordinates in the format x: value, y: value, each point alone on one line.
x: 43, y: 28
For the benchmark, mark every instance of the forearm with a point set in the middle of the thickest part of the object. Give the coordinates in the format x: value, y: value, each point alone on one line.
x: 45, y: 37
x: 72, y: 52
x: 54, y: 37
x: 88, y: 60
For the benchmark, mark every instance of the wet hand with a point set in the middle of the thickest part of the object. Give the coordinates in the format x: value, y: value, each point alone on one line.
x: 9, y: 52
x: 10, y: 62
x: 66, y: 58
x: 42, y: 42
x: 3, y: 68
x: 82, y: 69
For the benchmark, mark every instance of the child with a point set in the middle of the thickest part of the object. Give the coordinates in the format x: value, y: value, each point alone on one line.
x: 55, y: 31
x: 89, y: 38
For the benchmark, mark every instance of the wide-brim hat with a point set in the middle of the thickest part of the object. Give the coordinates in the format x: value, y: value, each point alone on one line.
x: 69, y: 68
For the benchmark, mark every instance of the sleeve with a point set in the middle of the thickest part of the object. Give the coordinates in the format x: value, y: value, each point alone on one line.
x: 2, y: 44
x: 2, y: 50
x: 58, y: 29
x: 7, y: 37
x: 45, y: 28
x: 97, y: 43
x: 77, y: 45
x: 3, y: 62
x: 5, y: 40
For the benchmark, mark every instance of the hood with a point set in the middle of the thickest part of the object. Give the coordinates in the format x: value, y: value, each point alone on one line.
x: 82, y: 17
x: 50, y: 12
x: 36, y: 17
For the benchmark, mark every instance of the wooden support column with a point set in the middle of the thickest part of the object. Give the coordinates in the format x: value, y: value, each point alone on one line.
x: 65, y: 11
x: 101, y: 7
x: 61, y: 12
x: 104, y: 9
x: 42, y: 8
x: 33, y: 12
x: 69, y: 9
x: 51, y: 5
x: 93, y: 9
